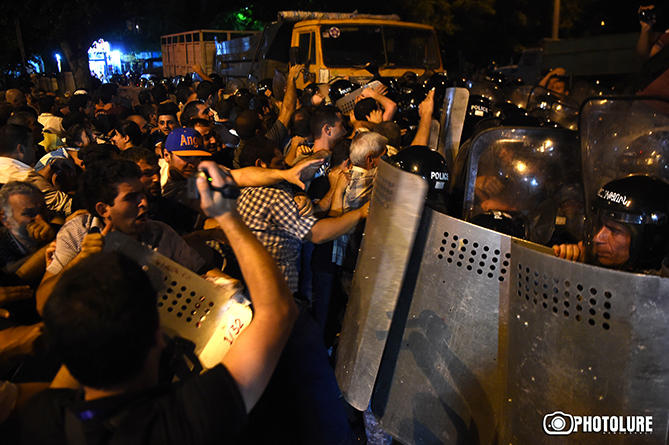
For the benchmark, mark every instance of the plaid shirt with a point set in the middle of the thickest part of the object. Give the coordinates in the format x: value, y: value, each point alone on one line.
x: 358, y: 192
x: 273, y: 217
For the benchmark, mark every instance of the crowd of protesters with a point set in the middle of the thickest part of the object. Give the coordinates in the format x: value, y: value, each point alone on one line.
x: 83, y: 321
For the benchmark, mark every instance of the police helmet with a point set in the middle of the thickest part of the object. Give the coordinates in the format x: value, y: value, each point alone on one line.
x: 641, y: 203
x: 340, y: 88
x: 431, y: 166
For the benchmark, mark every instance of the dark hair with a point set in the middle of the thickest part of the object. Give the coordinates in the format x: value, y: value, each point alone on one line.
x: 224, y: 107
x: 101, y: 319
x: 132, y: 130
x: 391, y: 131
x: 340, y: 152
x: 257, y: 147
x: 73, y: 135
x: 167, y: 109
x: 145, y: 97
x: 100, y: 181
x: 302, y: 122
x: 73, y: 118
x: 324, y: 115
x: 78, y: 102
x: 104, y: 123
x: 159, y: 93
x: 25, y: 109
x: 364, y: 107
x: 98, y: 153
x: 182, y: 93
x: 189, y: 112
x: 197, y: 121
x: 205, y: 89
x: 45, y: 103
x: 105, y: 93
x: 247, y: 124
x: 5, y: 111
x: 136, y: 154
x: 12, y: 135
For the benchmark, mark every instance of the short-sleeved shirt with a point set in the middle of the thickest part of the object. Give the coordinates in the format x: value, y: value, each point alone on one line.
x: 205, y: 409
x: 272, y: 215
x: 14, y: 170
x: 157, y: 235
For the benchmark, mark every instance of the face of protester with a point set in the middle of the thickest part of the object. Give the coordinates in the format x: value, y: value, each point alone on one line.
x: 128, y: 213
x: 141, y: 122
x: 204, y: 112
x: 22, y: 209
x: 150, y: 178
x: 612, y: 244
x: 122, y: 142
x: 167, y: 123
x: 210, y: 143
x: 186, y: 166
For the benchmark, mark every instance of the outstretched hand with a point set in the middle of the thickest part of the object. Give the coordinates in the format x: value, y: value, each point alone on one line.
x: 294, y: 174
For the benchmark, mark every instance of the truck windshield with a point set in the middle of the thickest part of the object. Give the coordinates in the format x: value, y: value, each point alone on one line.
x: 387, y: 46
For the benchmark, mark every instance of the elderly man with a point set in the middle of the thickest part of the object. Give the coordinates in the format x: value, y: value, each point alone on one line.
x: 25, y: 229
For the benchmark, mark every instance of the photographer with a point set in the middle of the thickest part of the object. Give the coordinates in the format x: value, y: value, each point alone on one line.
x: 652, y: 48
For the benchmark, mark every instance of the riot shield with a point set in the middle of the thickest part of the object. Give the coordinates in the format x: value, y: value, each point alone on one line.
x: 211, y: 316
x: 528, y: 178
x: 621, y: 136
x: 553, y: 107
x: 452, y: 120
x: 585, y: 341
x: 442, y: 385
x: 395, y: 210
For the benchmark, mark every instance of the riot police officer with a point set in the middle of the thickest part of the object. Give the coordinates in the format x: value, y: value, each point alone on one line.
x: 631, y: 226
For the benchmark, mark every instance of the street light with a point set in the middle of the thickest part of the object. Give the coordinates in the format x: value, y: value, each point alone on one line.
x: 58, y: 59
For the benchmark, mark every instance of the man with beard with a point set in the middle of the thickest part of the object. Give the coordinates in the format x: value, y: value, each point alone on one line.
x: 25, y: 229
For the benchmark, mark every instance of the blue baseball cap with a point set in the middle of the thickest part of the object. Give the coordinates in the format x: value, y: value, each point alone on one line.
x: 185, y: 141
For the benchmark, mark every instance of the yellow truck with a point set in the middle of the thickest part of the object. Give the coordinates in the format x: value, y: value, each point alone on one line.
x: 331, y: 45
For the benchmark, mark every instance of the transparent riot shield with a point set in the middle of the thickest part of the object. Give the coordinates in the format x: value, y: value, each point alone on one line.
x: 526, y: 182
x: 553, y: 107
x: 586, y: 354
x: 395, y: 211
x: 621, y: 136
x: 211, y: 316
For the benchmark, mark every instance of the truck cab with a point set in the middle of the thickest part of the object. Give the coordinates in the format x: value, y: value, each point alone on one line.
x: 332, y: 45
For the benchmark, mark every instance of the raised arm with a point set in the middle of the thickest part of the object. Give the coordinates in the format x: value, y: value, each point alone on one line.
x: 253, y: 356
x: 425, y: 110
x: 290, y: 98
x: 258, y: 176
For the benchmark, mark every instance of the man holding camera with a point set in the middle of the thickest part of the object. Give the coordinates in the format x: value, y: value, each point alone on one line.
x: 652, y: 47
x: 103, y: 321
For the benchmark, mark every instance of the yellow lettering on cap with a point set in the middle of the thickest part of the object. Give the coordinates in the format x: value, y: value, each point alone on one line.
x: 183, y: 140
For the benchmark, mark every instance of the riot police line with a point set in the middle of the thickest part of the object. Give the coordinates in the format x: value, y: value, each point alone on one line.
x: 464, y: 327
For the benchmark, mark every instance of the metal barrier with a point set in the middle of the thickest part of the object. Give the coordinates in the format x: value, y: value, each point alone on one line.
x: 395, y: 211
x: 585, y: 341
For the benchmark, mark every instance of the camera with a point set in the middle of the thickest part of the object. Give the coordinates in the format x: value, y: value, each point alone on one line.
x: 229, y: 191
x: 648, y: 16
x: 558, y: 424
